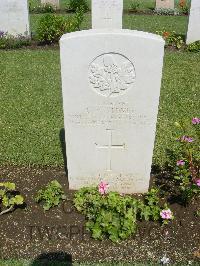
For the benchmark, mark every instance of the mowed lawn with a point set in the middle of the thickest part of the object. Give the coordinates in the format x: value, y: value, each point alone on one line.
x: 147, y: 23
x: 31, y: 104
x: 31, y: 101
x: 130, y: 21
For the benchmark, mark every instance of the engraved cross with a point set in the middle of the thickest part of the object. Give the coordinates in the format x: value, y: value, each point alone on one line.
x: 109, y: 147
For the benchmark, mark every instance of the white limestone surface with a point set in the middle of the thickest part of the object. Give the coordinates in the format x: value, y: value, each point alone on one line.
x: 55, y: 3
x: 193, y: 33
x: 111, y: 86
x: 107, y: 14
x: 167, y: 4
x: 14, y: 17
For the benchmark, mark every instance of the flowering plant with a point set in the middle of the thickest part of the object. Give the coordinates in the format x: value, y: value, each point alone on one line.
x: 183, y: 6
x: 9, y: 198
x: 171, y: 38
x: 113, y: 215
x: 103, y: 186
x: 8, y: 41
x: 188, y: 165
x: 167, y: 215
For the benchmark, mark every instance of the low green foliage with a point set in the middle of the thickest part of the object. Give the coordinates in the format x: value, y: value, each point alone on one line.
x: 188, y: 165
x: 172, y: 39
x: 78, y: 4
x: 166, y: 11
x: 51, y: 27
x: 9, y: 200
x: 46, y: 8
x: 12, y: 42
x: 194, y: 47
x: 113, y: 215
x: 184, y: 7
x: 51, y: 195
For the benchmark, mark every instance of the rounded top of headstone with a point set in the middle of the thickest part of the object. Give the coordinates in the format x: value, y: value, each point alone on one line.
x: 97, y: 32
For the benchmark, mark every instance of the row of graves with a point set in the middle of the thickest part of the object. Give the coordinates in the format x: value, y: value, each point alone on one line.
x: 14, y: 16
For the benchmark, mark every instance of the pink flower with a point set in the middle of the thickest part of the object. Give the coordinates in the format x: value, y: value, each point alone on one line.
x: 197, y: 181
x: 166, y: 214
x: 195, y: 120
x: 180, y: 163
x: 103, y: 186
x: 186, y: 139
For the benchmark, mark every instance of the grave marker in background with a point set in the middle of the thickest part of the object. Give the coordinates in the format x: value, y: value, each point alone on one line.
x: 166, y: 4
x: 193, y: 33
x: 107, y: 14
x: 51, y: 2
x: 14, y: 17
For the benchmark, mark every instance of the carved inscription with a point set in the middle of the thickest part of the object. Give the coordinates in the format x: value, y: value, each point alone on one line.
x: 126, y: 182
x: 111, y: 74
x: 110, y: 115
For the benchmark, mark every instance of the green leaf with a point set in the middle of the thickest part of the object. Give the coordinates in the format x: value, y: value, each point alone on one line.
x: 19, y: 200
x: 8, y: 185
x: 51, y: 195
x: 5, y: 201
x: 96, y: 232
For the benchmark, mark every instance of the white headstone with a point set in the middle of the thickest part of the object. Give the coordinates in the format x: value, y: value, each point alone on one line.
x: 51, y: 2
x: 193, y: 33
x: 111, y: 86
x: 166, y: 4
x: 14, y: 17
x: 107, y: 14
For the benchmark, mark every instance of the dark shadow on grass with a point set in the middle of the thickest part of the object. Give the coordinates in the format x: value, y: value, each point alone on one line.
x: 63, y: 147
x: 53, y: 258
x: 164, y: 179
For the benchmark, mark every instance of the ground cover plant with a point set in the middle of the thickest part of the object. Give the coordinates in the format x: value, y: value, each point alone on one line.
x: 188, y: 165
x: 51, y: 195
x: 51, y: 27
x: 172, y: 39
x: 9, y: 199
x: 12, y: 42
x: 45, y: 8
x: 112, y: 215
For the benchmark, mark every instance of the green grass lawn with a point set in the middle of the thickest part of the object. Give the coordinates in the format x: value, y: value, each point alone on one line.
x: 147, y: 23
x: 31, y: 100
x: 138, y: 22
x: 31, y: 104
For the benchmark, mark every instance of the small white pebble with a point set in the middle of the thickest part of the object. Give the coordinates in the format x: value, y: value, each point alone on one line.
x: 164, y: 260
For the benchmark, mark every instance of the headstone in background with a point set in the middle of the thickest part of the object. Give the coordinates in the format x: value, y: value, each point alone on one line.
x: 111, y: 95
x: 51, y: 2
x: 14, y: 17
x: 166, y: 4
x: 107, y: 14
x: 193, y: 33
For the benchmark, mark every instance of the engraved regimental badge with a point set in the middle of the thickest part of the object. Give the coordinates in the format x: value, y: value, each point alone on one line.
x: 111, y: 74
